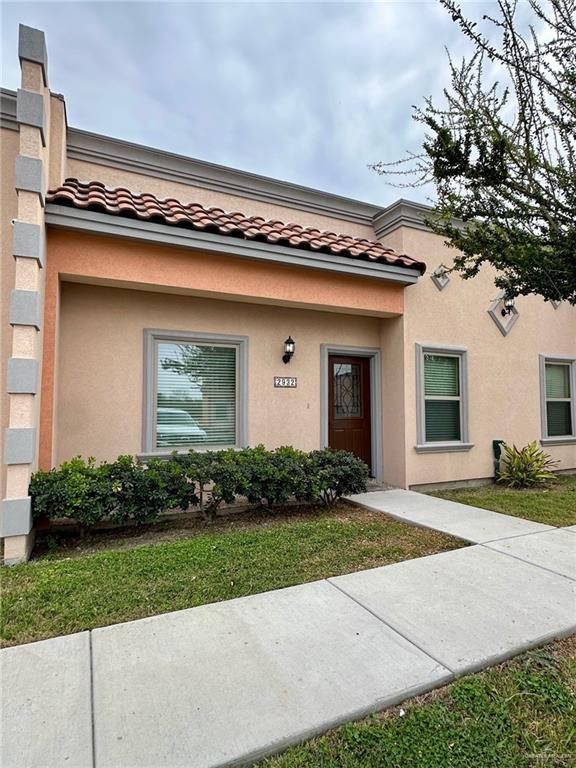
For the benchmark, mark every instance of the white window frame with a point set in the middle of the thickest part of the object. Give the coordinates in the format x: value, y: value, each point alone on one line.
x: 448, y: 446
x: 153, y: 337
x: 557, y: 360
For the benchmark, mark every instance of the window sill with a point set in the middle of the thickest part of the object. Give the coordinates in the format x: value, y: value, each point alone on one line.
x: 443, y: 447
x: 561, y: 440
x: 145, y: 455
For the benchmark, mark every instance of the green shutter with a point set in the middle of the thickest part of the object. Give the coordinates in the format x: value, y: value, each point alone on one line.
x: 557, y: 380
x: 195, y: 395
x: 442, y: 420
x: 441, y: 375
x: 559, y: 418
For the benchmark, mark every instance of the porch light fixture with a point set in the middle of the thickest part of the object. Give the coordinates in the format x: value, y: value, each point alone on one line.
x: 289, y: 346
x: 508, y: 307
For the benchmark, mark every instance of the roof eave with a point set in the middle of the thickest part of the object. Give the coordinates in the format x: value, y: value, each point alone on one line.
x: 66, y: 217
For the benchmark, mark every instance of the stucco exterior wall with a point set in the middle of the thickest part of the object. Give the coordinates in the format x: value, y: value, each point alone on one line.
x: 100, y: 389
x: 102, y: 260
x: 393, y: 401
x: 504, y: 395
x: 504, y: 386
x: 158, y: 267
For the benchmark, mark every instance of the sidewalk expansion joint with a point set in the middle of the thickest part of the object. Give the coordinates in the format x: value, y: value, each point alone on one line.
x: 526, y: 562
x: 393, y: 628
x: 520, y: 535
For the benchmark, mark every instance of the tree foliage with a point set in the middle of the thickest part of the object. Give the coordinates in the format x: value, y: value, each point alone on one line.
x: 501, y: 149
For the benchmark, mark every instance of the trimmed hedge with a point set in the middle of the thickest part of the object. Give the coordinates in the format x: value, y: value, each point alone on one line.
x: 132, y: 492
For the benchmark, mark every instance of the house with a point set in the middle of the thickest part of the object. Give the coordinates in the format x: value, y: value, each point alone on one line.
x: 153, y: 302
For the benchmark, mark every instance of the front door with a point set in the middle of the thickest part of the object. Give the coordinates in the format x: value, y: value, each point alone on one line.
x: 349, y: 418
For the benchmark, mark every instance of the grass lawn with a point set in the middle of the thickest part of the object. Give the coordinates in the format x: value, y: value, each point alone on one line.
x: 93, y: 585
x: 521, y: 714
x: 553, y: 506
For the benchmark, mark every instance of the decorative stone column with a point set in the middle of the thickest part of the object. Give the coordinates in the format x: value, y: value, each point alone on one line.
x: 26, y: 303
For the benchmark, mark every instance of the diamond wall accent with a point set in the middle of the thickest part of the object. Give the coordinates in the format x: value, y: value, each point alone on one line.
x: 504, y: 322
x: 555, y: 303
x: 440, y: 278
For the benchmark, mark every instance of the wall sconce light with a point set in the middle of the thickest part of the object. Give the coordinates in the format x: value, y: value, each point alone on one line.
x: 289, y: 346
x: 508, y: 306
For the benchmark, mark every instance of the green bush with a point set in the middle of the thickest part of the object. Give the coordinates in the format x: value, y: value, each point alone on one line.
x: 206, y: 479
x: 139, y: 492
x: 180, y: 487
x: 223, y: 478
x: 526, y: 467
x: 131, y: 492
x: 272, y: 477
x: 333, y: 474
x: 79, y: 490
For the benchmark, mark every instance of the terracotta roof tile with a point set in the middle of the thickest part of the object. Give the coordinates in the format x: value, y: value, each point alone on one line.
x: 94, y: 195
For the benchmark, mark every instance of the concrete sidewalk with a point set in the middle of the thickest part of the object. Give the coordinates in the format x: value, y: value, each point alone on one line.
x: 227, y: 683
x: 470, y: 523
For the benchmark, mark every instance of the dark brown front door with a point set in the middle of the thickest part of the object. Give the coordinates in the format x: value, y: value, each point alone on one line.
x: 349, y: 419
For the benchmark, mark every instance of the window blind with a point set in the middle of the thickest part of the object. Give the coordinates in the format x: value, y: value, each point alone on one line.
x: 442, y: 398
x: 558, y: 404
x: 442, y: 420
x: 196, y: 397
x: 441, y: 375
x: 559, y: 418
x: 557, y: 381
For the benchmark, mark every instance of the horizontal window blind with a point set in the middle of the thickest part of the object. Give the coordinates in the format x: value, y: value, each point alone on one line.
x: 557, y: 381
x: 559, y: 417
x: 442, y: 398
x: 558, y: 400
x: 196, y: 396
x: 442, y: 420
x: 441, y: 375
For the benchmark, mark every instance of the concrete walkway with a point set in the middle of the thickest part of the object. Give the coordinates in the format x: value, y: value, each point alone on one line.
x: 227, y: 683
x: 470, y: 523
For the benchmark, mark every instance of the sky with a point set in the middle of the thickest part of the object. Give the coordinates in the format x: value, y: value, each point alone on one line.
x: 310, y: 93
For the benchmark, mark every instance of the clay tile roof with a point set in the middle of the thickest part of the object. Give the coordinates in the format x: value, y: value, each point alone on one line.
x: 96, y: 196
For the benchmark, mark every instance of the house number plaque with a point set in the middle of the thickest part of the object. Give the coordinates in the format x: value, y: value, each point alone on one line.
x: 285, y: 382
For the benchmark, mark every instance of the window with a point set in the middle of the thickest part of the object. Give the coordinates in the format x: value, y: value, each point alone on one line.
x: 347, y: 390
x: 442, y: 407
x: 194, y: 394
x: 558, y: 385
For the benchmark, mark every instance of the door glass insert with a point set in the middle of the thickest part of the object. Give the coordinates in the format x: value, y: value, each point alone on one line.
x: 347, y: 390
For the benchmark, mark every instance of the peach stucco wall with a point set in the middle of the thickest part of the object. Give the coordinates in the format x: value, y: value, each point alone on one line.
x: 93, y: 257
x: 187, y: 276
x: 99, y: 396
x: 504, y: 390
x: 103, y: 324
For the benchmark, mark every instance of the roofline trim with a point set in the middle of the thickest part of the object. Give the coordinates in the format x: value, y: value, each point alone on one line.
x: 138, y: 158
x: 157, y: 163
x: 407, y: 213
x: 402, y: 213
x: 65, y: 217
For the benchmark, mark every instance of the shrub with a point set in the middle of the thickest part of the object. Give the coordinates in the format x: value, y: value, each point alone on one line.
x: 333, y: 474
x: 128, y: 491
x: 271, y: 477
x: 528, y: 467
x: 206, y: 479
x: 222, y: 473
x: 139, y: 492
x: 79, y: 490
x: 181, y: 489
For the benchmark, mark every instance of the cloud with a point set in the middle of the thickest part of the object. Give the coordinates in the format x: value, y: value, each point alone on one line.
x: 307, y: 92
